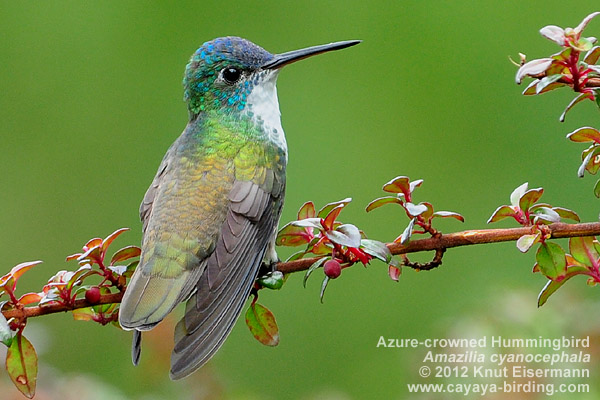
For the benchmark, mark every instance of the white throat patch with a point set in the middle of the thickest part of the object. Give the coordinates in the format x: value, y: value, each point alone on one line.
x: 263, y: 105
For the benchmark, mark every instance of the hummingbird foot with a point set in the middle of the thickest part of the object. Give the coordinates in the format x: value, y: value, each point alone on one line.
x: 268, y: 267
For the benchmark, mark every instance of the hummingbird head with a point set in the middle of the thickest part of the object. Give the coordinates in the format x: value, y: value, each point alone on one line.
x: 233, y: 74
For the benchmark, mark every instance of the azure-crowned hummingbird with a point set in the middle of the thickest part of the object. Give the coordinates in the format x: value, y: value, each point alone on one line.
x: 211, y: 213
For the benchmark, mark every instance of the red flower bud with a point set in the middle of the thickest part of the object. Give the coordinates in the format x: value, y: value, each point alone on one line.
x: 332, y: 268
x: 92, y: 295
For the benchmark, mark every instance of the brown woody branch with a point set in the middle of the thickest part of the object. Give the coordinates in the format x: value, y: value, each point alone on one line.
x: 52, y: 308
x: 441, y: 242
x: 465, y: 238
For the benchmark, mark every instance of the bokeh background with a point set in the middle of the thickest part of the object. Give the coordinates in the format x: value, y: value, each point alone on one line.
x: 91, y: 98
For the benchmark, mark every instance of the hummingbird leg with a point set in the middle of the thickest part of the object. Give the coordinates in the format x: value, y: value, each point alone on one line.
x: 270, y: 260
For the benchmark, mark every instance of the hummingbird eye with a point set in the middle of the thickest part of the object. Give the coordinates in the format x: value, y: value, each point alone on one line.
x: 231, y: 74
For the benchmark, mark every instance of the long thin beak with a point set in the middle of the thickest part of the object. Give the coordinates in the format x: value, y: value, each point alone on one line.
x: 279, y: 60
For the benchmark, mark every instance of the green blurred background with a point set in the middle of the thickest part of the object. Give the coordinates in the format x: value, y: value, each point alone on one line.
x: 91, y: 98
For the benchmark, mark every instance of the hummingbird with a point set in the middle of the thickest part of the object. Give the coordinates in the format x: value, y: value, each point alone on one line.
x: 210, y: 216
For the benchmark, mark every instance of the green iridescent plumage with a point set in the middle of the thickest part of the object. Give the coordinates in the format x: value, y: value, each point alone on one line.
x: 211, y: 213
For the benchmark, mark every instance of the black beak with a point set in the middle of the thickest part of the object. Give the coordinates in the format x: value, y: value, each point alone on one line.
x: 279, y: 60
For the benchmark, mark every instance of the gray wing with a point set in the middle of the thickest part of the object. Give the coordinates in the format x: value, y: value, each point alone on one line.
x: 229, y: 275
x: 146, y: 206
x: 145, y: 211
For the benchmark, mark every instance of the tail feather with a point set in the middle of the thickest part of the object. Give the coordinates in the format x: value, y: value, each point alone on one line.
x: 150, y: 297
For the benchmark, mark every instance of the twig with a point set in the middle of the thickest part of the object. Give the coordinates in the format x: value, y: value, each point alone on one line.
x: 438, y: 243
x: 465, y: 238
x: 52, y: 308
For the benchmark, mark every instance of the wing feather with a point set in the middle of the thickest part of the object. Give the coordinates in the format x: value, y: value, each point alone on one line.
x: 148, y: 201
x: 231, y: 270
x: 211, y: 261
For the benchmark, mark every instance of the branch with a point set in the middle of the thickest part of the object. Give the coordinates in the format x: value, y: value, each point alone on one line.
x: 464, y: 238
x: 52, y: 308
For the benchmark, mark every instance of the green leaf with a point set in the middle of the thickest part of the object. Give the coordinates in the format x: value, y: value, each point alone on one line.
x: 29, y: 298
x: 501, y: 213
x: 273, y: 280
x: 545, y: 215
x: 110, y: 238
x: 77, y: 274
x: 566, y: 213
x: 529, y: 198
x: 515, y: 196
x: 582, y: 249
x: 345, y: 235
x: 583, y: 44
x: 554, y: 33
x: 592, y: 56
x: 552, y: 286
x: 428, y: 214
x: 323, y: 287
x: 525, y: 242
x: 571, y: 261
x: 21, y: 365
x: 377, y: 249
x: 381, y: 201
x: 576, y: 100
x: 584, y: 135
x: 586, y: 156
x: 593, y: 163
x: 329, y: 220
x: 292, y: 235
x: 125, y: 254
x: 73, y: 256
x: 400, y: 184
x: 321, y: 247
x: 130, y: 268
x: 307, y: 210
x: 530, y: 90
x: 407, y: 233
x: 579, y: 28
x: 93, y: 243
x: 314, y: 266
x: 296, y: 256
x: 323, y: 212
x: 548, y: 83
x: 262, y: 324
x: 92, y: 253
x: 551, y: 260
x: 308, y: 223
x: 562, y: 55
x: 118, y: 269
x: 449, y: 214
x: 352, y: 232
x: 6, y: 334
x: 394, y: 272
x: 415, y: 209
x: 538, y: 206
x: 84, y: 314
x: 552, y: 87
x: 597, y: 189
x: 20, y: 269
x: 533, y: 67
x: 415, y: 184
